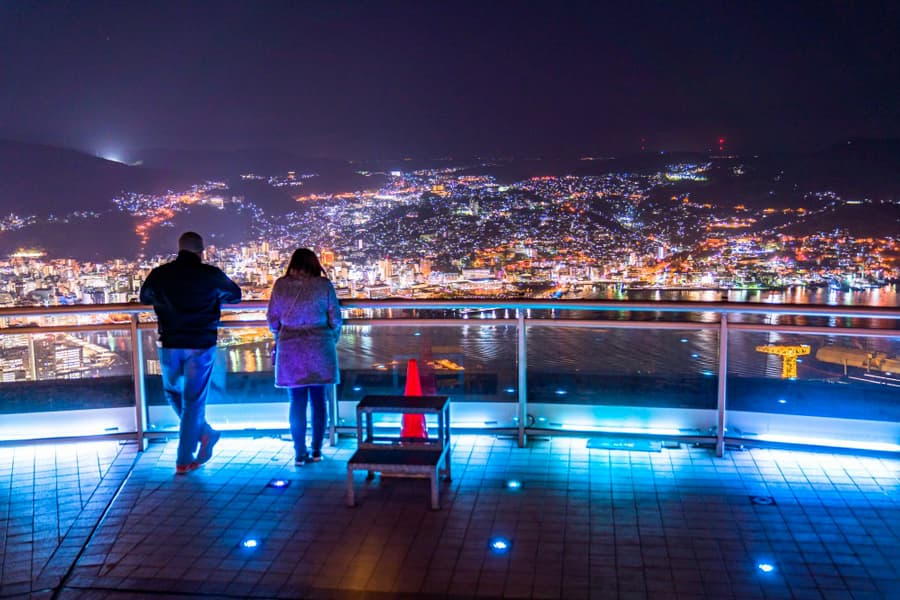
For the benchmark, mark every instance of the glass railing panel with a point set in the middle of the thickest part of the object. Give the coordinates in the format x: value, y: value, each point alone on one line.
x: 628, y: 380
x: 474, y: 364
x: 830, y: 390
x: 66, y: 384
x: 241, y: 396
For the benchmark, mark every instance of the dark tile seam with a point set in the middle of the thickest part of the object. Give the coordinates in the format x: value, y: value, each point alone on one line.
x: 58, y: 588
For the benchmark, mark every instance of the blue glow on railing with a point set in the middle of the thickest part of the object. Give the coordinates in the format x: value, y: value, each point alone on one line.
x: 77, y: 423
x: 245, y: 425
x: 575, y: 426
x: 833, y: 442
x: 472, y: 423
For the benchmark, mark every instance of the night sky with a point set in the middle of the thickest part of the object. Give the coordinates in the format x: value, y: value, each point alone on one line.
x: 429, y: 79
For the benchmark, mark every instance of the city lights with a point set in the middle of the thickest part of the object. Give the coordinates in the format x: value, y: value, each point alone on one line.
x: 550, y: 237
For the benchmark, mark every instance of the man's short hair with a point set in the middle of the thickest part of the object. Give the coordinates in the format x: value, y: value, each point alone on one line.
x: 190, y: 241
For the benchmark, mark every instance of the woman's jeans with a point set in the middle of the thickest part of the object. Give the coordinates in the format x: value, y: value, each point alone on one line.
x: 299, y: 396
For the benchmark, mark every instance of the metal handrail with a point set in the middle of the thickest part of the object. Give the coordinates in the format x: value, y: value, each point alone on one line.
x: 869, y: 312
x: 522, y: 322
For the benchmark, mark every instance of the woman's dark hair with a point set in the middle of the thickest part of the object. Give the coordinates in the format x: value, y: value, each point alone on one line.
x: 304, y: 260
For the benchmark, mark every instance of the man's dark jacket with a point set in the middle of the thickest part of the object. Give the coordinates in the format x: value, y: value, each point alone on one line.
x: 187, y: 296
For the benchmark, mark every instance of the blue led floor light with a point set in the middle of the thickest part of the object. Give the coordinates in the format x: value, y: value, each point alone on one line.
x: 765, y: 567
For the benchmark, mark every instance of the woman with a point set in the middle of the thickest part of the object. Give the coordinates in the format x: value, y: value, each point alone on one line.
x: 305, y: 318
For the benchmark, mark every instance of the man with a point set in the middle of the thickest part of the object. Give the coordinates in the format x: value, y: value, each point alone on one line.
x: 187, y: 296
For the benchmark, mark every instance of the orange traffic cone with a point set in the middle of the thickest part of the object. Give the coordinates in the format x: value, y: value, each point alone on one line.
x: 413, y: 425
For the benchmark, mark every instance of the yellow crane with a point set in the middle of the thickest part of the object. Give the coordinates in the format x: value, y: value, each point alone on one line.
x: 788, y: 356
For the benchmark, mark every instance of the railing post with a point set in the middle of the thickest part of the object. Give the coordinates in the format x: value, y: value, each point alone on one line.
x: 522, y: 368
x: 137, y: 370
x: 332, y: 422
x: 723, y: 376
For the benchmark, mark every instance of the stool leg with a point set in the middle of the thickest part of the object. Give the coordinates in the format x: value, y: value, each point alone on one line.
x: 351, y: 501
x: 447, y: 466
x: 435, y: 502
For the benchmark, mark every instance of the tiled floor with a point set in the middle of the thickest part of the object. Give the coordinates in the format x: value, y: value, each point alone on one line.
x: 51, y: 500
x: 101, y: 521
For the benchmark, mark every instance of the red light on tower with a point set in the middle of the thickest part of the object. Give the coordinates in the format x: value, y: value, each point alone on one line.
x: 721, y: 144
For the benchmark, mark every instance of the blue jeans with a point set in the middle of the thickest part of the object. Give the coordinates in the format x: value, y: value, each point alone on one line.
x: 315, y: 394
x: 186, y: 373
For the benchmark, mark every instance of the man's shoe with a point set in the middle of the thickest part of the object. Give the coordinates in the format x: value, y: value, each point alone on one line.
x: 207, y: 443
x: 302, y: 459
x: 185, y: 469
x: 316, y: 457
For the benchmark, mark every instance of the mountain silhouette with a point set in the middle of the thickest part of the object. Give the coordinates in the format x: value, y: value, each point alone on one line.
x: 44, y: 180
x: 69, y: 193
